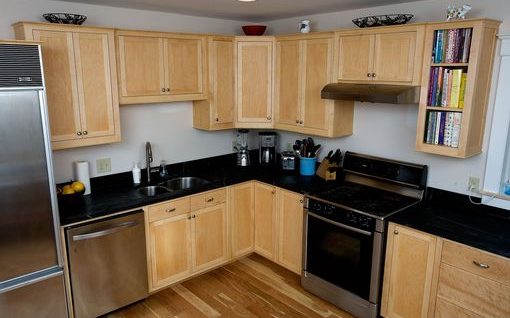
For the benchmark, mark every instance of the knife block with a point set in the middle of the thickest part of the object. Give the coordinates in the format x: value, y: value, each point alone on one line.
x: 327, y: 170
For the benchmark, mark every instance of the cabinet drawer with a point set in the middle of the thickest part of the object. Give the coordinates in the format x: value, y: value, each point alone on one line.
x: 169, y: 209
x: 480, y: 295
x: 445, y: 309
x: 208, y: 199
x: 474, y: 260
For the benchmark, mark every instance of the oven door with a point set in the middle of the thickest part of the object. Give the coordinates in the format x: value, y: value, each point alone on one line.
x: 339, y: 254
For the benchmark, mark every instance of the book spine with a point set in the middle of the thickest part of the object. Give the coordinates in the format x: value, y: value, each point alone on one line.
x: 467, y: 45
x: 449, y: 89
x: 448, y: 129
x: 451, y: 46
x: 428, y: 132
x: 444, y: 93
x: 445, y: 46
x: 455, y: 90
x: 434, y: 47
x: 437, y: 97
x: 431, y: 86
x: 433, y: 119
x: 462, y: 89
x: 457, y: 117
x: 438, y: 126
x: 439, y: 53
x: 442, y: 123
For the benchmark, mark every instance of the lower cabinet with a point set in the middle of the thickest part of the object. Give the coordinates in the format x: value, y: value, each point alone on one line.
x: 408, y: 273
x: 290, y: 230
x: 242, y: 218
x: 184, y: 241
x: 265, y: 220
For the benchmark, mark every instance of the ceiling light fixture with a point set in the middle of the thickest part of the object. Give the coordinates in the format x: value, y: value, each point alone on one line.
x: 246, y: 0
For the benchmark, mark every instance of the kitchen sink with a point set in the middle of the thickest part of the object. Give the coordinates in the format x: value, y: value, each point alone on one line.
x: 184, y: 183
x: 152, y: 191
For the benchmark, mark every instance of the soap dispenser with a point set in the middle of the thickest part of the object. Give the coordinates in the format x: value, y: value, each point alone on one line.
x: 137, y: 173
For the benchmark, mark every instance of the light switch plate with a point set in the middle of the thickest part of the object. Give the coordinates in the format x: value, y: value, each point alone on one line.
x: 103, y: 165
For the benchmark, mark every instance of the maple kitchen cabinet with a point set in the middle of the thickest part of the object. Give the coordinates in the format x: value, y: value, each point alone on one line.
x: 81, y: 82
x: 241, y: 209
x: 304, y: 65
x: 265, y: 214
x: 160, y: 67
x: 217, y: 112
x: 410, y: 266
x: 390, y: 55
x: 254, y: 58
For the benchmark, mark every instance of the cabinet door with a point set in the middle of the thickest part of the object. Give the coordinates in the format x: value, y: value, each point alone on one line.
x: 318, y: 57
x: 409, y: 267
x: 170, y: 249
x: 254, y: 82
x: 265, y: 220
x: 289, y: 90
x: 355, y: 57
x: 61, y: 87
x: 241, y: 210
x: 394, y: 57
x: 209, y: 236
x: 184, y: 65
x: 221, y: 70
x: 95, y: 90
x: 290, y: 230
x: 141, y: 66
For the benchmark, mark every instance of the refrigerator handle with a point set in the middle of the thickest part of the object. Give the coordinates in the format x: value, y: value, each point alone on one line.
x: 108, y: 231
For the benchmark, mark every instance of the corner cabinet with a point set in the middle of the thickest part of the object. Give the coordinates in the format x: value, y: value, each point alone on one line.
x: 254, y: 58
x: 390, y: 55
x: 304, y: 65
x: 217, y: 112
x: 455, y: 86
x: 159, y: 67
x: 81, y: 82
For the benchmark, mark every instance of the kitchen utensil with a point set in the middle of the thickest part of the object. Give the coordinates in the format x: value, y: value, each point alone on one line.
x: 65, y: 18
x: 254, y: 29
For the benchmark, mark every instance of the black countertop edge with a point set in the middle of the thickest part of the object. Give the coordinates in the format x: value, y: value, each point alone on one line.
x: 116, y: 193
x: 454, y: 217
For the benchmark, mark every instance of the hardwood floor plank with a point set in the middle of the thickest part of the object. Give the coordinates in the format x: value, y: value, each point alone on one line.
x: 248, y: 288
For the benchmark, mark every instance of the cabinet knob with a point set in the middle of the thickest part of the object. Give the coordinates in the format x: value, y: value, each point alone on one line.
x: 268, y: 117
x: 369, y: 75
x: 217, y: 119
x: 163, y: 90
x: 78, y: 133
x: 395, y: 232
x: 170, y: 210
x: 168, y: 90
x: 194, y: 216
x: 481, y: 265
x: 189, y: 217
x: 85, y: 132
x: 209, y: 200
x: 301, y: 201
x: 373, y: 74
x: 273, y: 192
x: 301, y: 122
x: 297, y: 121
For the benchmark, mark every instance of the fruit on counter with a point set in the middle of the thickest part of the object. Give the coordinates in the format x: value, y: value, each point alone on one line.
x: 67, y: 189
x: 77, y: 186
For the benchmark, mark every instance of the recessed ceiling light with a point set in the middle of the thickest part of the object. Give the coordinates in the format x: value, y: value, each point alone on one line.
x: 246, y: 0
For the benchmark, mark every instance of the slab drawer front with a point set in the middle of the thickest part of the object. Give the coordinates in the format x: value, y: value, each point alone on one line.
x: 169, y: 209
x: 480, y: 295
x: 208, y: 199
x: 445, y: 309
x: 476, y: 261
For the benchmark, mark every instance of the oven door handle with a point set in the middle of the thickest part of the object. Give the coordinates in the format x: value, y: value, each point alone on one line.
x: 347, y: 227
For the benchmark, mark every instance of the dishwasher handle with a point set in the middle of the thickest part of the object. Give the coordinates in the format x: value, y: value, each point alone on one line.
x: 114, y: 229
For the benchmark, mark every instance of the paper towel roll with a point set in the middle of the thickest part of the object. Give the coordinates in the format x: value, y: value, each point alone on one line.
x: 81, y: 173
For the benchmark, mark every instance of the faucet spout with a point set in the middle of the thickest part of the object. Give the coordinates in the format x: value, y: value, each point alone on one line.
x: 148, y: 160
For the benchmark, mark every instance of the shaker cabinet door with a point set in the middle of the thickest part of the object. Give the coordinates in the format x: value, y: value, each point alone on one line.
x: 394, y: 57
x: 289, y: 82
x: 355, y: 57
x: 184, y: 66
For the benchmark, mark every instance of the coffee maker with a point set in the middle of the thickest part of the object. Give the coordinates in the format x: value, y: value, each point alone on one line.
x: 267, y: 148
x: 243, y: 154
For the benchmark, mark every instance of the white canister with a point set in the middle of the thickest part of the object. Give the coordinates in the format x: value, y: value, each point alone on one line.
x: 304, y: 26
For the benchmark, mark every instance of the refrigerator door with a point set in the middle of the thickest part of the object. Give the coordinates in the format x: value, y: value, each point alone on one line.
x: 42, y: 296
x: 27, y: 229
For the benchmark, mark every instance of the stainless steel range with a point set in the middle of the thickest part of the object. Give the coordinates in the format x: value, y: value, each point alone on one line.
x: 345, y: 230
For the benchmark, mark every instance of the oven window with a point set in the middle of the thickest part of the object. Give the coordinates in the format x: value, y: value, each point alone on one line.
x: 339, y: 256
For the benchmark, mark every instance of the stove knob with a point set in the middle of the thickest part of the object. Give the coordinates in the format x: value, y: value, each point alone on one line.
x: 329, y: 209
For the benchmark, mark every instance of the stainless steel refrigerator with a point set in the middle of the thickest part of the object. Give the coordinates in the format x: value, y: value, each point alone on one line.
x: 31, y: 275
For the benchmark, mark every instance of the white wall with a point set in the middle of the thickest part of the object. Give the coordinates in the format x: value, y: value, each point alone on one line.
x: 390, y: 130
x: 167, y: 126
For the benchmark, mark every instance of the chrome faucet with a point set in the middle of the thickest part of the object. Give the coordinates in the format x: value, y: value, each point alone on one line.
x: 148, y: 160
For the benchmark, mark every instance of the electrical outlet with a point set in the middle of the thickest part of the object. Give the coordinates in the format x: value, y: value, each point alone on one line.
x: 103, y: 165
x: 474, y: 184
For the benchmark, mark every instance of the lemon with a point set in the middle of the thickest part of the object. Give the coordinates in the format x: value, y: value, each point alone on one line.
x: 77, y: 186
x: 67, y: 189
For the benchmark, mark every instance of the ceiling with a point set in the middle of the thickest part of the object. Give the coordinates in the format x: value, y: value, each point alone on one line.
x: 260, y: 10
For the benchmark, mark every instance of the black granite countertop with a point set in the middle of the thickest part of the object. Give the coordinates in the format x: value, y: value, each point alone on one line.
x: 452, y: 216
x: 116, y: 193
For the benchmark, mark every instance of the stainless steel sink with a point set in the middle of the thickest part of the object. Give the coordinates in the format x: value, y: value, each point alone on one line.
x: 152, y: 191
x: 184, y: 183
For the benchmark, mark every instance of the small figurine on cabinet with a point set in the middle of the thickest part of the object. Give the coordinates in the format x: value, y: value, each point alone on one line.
x: 454, y: 13
x: 304, y: 26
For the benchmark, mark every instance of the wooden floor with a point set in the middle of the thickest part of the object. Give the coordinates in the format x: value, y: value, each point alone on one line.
x: 250, y: 287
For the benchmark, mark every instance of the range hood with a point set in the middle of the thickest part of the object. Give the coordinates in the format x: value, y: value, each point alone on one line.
x: 375, y: 93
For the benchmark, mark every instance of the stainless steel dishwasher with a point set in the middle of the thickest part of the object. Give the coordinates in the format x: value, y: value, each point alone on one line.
x: 108, y: 264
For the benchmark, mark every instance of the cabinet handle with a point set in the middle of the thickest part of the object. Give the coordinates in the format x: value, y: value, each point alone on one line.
x: 194, y: 216
x: 85, y: 132
x: 373, y: 74
x: 189, y: 217
x: 481, y: 265
x: 395, y: 232
x: 163, y: 90
x: 297, y: 121
x: 301, y: 201
x: 301, y: 122
x: 217, y: 119
x: 168, y: 90
x: 209, y: 200
x: 170, y: 210
x: 78, y: 133
x: 268, y: 117
x: 369, y: 75
x: 273, y: 192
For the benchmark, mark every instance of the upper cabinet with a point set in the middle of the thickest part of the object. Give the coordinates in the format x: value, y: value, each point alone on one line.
x: 390, y: 55
x: 254, y: 82
x: 81, y: 82
x: 160, y: 67
x: 303, y: 68
x: 217, y: 112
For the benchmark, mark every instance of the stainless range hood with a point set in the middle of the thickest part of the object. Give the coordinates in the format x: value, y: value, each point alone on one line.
x: 375, y: 93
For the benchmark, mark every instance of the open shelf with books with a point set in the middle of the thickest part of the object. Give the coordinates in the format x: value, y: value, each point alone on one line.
x: 455, y: 86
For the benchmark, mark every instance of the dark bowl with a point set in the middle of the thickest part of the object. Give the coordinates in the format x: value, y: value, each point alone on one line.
x: 381, y: 20
x: 254, y: 29
x: 65, y: 18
